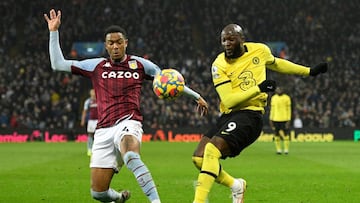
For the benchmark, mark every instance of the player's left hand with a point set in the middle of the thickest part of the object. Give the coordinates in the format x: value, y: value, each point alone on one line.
x: 319, y: 68
x: 202, y: 106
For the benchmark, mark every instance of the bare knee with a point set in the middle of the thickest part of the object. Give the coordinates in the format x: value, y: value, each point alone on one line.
x: 199, y: 151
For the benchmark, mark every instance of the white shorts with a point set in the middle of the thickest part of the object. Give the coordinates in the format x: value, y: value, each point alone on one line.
x: 91, y: 126
x: 106, y: 147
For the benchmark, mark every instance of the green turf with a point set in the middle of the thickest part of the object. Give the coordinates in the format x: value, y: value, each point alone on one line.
x: 311, y: 173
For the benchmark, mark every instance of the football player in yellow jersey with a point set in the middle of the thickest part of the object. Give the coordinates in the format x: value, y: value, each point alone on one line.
x: 239, y: 77
x: 280, y: 117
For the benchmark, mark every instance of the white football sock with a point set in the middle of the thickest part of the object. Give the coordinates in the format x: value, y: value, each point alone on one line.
x: 236, y: 185
x: 142, y: 175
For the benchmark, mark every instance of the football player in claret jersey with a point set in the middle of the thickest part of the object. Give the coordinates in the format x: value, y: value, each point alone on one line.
x: 90, y: 118
x: 117, y: 83
x: 239, y: 77
x: 280, y: 118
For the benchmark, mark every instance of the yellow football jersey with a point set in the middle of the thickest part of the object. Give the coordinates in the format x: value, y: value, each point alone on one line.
x: 280, y: 110
x: 236, y: 80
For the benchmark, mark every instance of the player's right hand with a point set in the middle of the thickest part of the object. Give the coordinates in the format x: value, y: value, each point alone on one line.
x: 53, y: 20
x: 267, y: 86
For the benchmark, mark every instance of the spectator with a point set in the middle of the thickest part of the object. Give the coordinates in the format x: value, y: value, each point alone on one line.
x: 297, y: 24
x: 297, y: 123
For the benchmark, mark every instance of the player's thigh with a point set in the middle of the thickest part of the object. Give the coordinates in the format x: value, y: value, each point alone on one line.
x: 199, y: 151
x: 240, y: 130
x: 104, y: 152
x: 101, y: 178
x: 128, y: 136
x: 129, y: 143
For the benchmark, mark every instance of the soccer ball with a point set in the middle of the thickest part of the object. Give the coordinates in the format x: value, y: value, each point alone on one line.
x: 168, y: 84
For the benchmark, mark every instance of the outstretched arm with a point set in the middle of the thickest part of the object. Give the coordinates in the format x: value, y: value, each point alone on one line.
x: 202, y: 106
x: 57, y: 59
x: 151, y: 69
x: 288, y: 67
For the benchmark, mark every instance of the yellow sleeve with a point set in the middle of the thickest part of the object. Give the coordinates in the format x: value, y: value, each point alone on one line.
x: 287, y: 67
x: 231, y: 98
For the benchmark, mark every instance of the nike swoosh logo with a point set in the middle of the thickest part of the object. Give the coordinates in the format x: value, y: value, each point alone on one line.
x: 224, y: 133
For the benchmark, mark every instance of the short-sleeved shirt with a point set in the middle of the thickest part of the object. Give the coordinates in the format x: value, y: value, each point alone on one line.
x: 117, y: 86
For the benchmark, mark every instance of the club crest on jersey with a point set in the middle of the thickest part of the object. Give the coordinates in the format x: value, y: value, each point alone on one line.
x: 133, y: 64
x: 256, y: 60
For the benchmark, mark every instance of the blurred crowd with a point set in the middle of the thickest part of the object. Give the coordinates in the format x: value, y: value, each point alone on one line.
x: 183, y: 35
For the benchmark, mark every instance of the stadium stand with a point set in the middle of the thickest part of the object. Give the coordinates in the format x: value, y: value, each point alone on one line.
x: 183, y: 35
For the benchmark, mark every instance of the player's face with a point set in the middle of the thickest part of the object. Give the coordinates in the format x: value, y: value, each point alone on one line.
x: 232, y: 45
x: 92, y: 93
x: 115, y: 44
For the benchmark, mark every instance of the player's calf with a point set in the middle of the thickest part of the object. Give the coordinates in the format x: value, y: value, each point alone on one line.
x: 142, y: 174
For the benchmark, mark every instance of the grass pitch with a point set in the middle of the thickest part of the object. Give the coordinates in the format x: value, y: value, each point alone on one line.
x: 311, y: 173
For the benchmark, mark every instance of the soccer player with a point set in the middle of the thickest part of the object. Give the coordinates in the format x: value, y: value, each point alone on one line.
x: 90, y: 117
x: 239, y: 77
x: 117, y: 82
x: 280, y: 118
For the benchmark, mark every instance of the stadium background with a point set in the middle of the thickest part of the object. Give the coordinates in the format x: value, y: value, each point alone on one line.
x: 184, y: 35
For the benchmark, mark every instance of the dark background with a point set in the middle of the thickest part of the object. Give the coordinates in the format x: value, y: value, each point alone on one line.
x: 182, y: 35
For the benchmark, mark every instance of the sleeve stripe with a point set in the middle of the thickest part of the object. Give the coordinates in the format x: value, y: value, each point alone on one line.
x: 227, y: 81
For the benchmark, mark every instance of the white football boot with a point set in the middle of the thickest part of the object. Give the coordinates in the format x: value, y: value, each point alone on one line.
x: 238, y: 195
x: 125, y: 195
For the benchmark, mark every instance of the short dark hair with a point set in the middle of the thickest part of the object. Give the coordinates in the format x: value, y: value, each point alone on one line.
x: 113, y: 29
